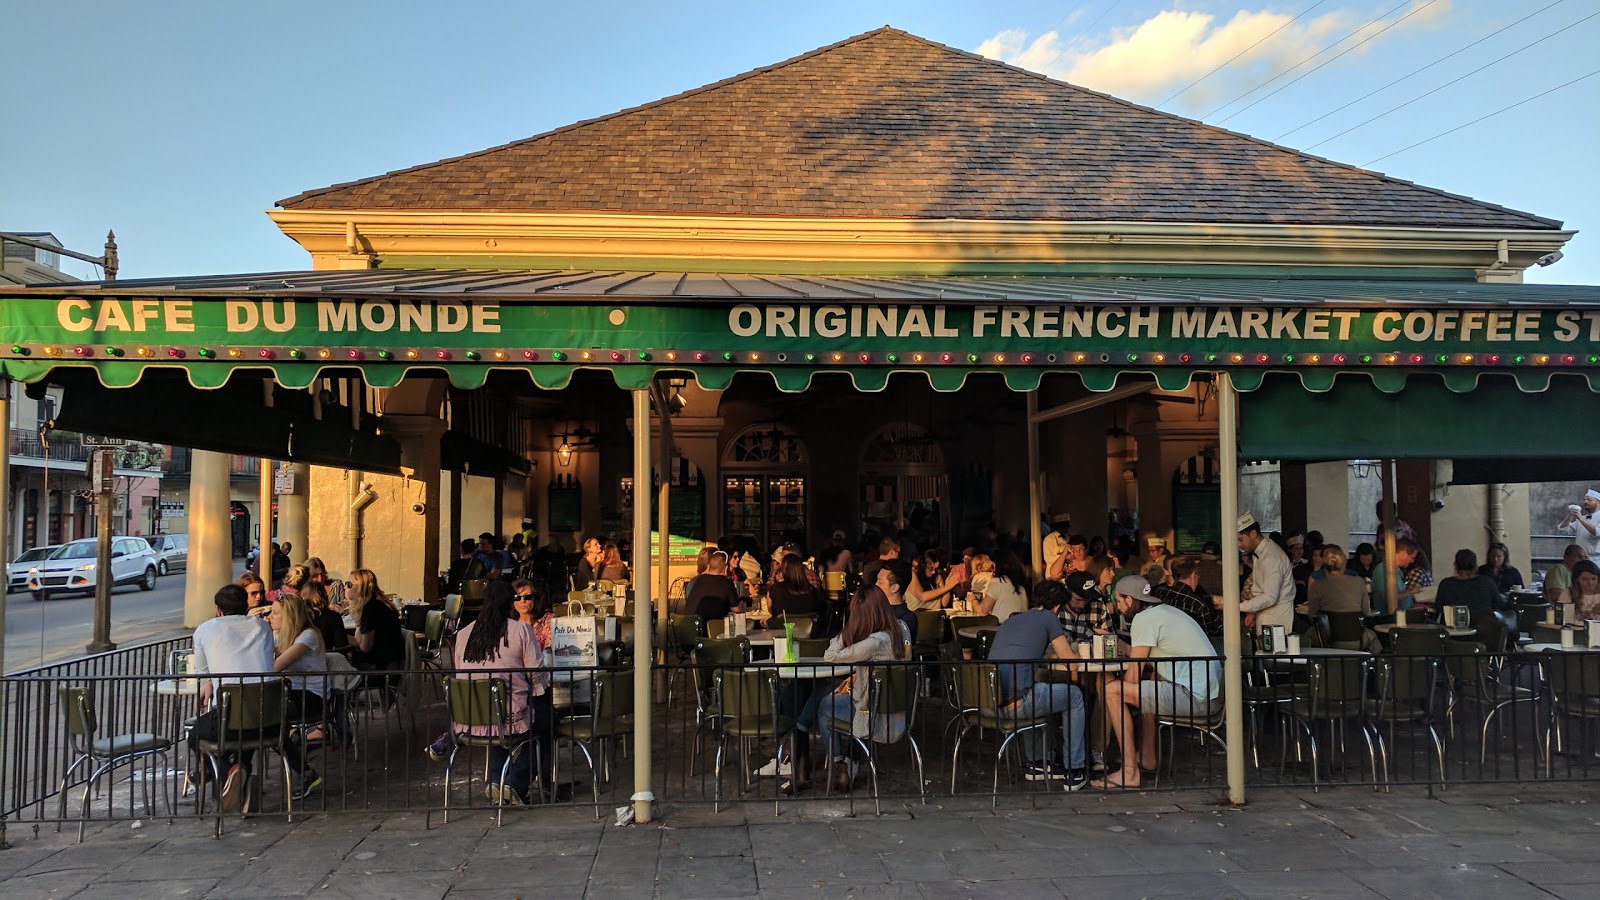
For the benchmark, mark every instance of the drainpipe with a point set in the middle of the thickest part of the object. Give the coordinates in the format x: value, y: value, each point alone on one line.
x: 1497, y: 514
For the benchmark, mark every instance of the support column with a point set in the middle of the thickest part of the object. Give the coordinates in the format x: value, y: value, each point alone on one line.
x: 1035, y: 537
x: 408, y: 555
x: 643, y: 652
x: 264, y: 522
x: 6, y: 510
x: 210, y: 536
x: 294, y: 519
x: 1232, y: 644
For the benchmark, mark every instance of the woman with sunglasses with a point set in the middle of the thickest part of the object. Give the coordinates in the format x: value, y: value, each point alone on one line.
x: 532, y: 610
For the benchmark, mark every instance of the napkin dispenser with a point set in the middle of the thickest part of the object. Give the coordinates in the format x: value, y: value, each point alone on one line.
x: 1594, y: 632
x: 1280, y: 638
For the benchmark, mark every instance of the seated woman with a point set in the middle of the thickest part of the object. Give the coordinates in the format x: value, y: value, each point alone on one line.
x: 1585, y: 589
x: 293, y: 580
x: 612, y: 568
x: 327, y: 622
x: 1468, y: 587
x: 1180, y: 688
x: 497, y: 641
x: 872, y: 634
x: 379, y: 643
x: 794, y: 593
x: 927, y: 590
x: 255, y: 593
x: 1505, y: 576
x: 300, y: 657
x: 999, y: 589
x: 1337, y: 591
x: 533, y: 610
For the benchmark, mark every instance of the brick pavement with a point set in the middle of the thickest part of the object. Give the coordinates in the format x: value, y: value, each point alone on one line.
x: 1508, y: 842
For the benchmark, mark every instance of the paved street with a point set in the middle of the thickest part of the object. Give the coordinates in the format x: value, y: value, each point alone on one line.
x: 1508, y: 842
x: 67, y: 623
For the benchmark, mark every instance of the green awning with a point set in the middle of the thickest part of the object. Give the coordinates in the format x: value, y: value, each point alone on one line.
x: 1427, y: 418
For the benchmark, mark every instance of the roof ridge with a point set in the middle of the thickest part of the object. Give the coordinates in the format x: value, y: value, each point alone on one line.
x: 732, y: 79
x: 1554, y: 223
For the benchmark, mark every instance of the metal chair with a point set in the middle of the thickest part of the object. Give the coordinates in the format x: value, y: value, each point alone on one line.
x: 811, y: 648
x: 251, y: 717
x: 104, y: 753
x: 610, y: 716
x: 483, y: 703
x: 985, y: 641
x: 747, y: 709
x: 1574, y: 681
x: 1406, y: 689
x: 979, y: 699
x: 1346, y: 631
x: 891, y: 691
x: 711, y: 657
x: 1206, y: 725
x: 930, y: 634
x: 959, y: 622
x: 1336, y: 693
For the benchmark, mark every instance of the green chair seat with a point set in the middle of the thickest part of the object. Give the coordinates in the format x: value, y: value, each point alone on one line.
x: 123, y: 744
x: 582, y: 728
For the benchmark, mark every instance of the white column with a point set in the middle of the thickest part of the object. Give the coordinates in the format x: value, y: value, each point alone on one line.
x: 1232, y: 663
x: 210, y: 536
x: 294, y: 521
x: 264, y: 520
x: 643, y: 654
x: 1035, y: 538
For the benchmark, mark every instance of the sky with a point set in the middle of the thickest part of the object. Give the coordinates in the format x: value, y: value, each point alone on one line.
x: 178, y: 123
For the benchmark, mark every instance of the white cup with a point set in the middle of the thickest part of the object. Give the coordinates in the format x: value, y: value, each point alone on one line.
x: 1085, y: 650
x: 1566, y: 638
x: 1294, y: 645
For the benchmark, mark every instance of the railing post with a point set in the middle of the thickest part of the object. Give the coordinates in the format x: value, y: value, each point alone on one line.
x: 5, y: 511
x: 1232, y: 643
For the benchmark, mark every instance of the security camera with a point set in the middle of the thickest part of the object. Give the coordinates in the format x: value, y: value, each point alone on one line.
x: 1438, y: 505
x: 419, y: 508
x: 1549, y: 259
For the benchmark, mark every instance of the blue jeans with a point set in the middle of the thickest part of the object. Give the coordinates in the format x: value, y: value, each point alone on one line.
x: 836, y: 706
x: 1045, y: 698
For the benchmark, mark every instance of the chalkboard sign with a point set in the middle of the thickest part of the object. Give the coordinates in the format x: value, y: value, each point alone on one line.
x: 686, y: 511
x: 566, y: 508
x: 1196, y: 516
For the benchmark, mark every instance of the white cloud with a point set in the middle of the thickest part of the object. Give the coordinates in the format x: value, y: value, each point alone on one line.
x: 1165, y: 53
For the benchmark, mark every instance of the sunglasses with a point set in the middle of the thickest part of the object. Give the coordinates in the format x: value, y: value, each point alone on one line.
x: 524, y: 596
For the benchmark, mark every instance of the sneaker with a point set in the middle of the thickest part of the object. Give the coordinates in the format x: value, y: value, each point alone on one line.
x: 1044, y: 771
x: 502, y: 795
x: 310, y: 784
x: 1076, y: 780
x: 231, y: 799
x: 775, y: 768
x: 439, y: 749
x: 1097, y: 762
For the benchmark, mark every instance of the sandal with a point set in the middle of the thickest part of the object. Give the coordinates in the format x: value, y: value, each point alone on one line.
x: 1112, y: 782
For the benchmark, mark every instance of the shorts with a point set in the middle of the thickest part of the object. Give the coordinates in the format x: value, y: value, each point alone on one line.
x: 1168, y: 698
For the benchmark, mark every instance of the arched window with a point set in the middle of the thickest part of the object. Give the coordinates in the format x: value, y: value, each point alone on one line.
x: 765, y: 468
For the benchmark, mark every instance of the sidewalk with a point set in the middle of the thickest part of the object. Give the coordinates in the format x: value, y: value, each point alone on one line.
x: 1506, y: 842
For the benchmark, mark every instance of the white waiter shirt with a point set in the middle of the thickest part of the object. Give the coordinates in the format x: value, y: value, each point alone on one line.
x: 1273, y: 578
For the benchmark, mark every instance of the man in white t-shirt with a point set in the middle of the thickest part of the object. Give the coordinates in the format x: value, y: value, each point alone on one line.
x: 234, y: 646
x: 1190, y: 684
x: 1583, y: 522
x: 1271, y: 600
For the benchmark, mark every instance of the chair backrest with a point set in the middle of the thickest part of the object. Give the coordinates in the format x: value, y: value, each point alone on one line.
x: 930, y: 626
x: 833, y: 581
x: 254, y: 705
x: 611, y: 703
x: 1408, y: 679
x: 1345, y: 628
x: 978, y: 687
x: 472, y: 589
x: 1468, y: 662
x: 685, y: 630
x: 433, y: 627
x: 1531, y: 615
x: 1573, y: 676
x: 78, y: 705
x: 452, y: 608
x: 480, y: 702
x: 985, y: 641
x: 733, y: 651
x: 1428, y: 640
x: 803, y: 623
x: 893, y: 690
x: 1338, y: 683
x: 811, y: 647
x: 748, y: 695
x: 610, y: 654
x: 1492, y: 631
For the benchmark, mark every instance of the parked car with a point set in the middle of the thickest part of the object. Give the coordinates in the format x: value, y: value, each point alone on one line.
x: 72, y: 567
x: 172, y: 552
x: 17, y: 569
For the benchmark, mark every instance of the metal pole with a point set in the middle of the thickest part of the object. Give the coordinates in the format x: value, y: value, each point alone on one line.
x: 100, y: 468
x: 1232, y: 644
x: 1035, y: 538
x: 1391, y: 512
x: 643, y: 654
x: 5, y: 504
x: 264, y: 523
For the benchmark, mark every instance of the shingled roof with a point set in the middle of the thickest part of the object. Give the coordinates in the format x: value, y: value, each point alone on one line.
x: 887, y: 124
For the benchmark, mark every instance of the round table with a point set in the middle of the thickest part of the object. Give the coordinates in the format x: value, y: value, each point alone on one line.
x: 1543, y: 646
x: 1306, y: 654
x: 972, y: 631
x: 758, y: 637
x: 177, y: 687
x: 807, y: 667
x: 1386, y: 627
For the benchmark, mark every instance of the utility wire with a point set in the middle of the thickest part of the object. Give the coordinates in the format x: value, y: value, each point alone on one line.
x: 1353, y: 47
x: 1413, y: 73
x: 1307, y: 59
x: 1452, y: 81
x: 1236, y: 56
x: 1079, y: 36
x: 1481, y: 118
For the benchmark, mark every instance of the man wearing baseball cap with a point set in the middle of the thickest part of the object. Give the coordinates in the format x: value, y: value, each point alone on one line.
x: 1189, y: 683
x: 1023, y: 638
x: 1086, y: 609
x: 1583, y: 522
x: 1271, y: 602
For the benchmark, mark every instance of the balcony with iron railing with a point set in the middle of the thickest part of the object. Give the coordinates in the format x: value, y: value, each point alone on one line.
x: 64, y: 446
x: 180, y: 462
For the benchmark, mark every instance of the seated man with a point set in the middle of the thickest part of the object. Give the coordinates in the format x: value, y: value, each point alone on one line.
x: 1181, y: 688
x: 1024, y: 637
x: 1086, y: 610
x: 234, y: 644
x: 713, y: 595
x: 1186, y: 594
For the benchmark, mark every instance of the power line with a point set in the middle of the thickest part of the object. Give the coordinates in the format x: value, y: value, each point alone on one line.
x: 1453, y: 81
x: 1413, y: 73
x: 1356, y: 46
x: 1481, y: 118
x: 1079, y: 36
x: 1243, y: 52
x: 1307, y: 59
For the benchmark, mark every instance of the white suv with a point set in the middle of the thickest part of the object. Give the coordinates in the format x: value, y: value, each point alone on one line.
x: 72, y: 567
